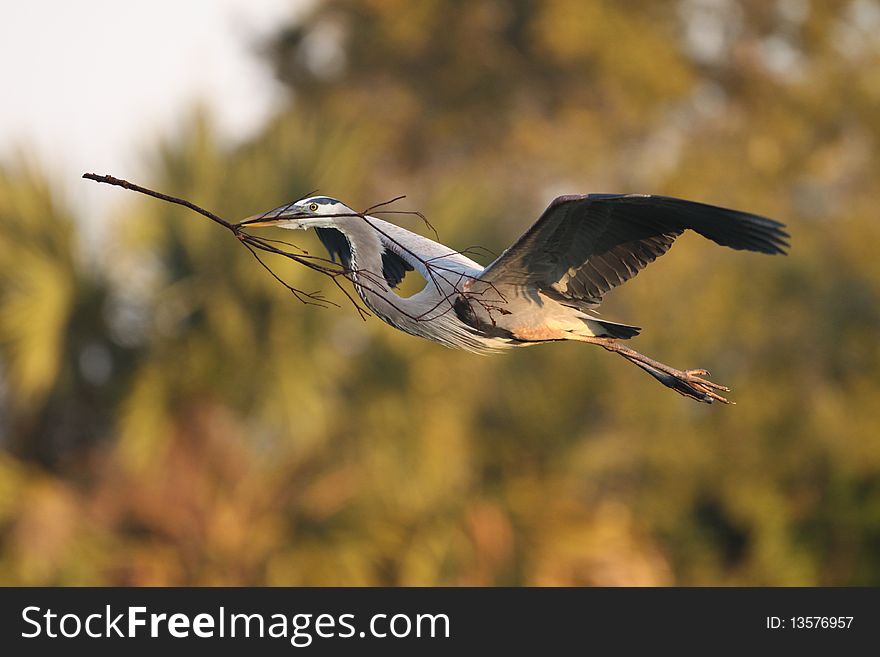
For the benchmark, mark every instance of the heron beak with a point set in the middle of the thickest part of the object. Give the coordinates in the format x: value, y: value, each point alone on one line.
x: 271, y: 218
x: 258, y: 220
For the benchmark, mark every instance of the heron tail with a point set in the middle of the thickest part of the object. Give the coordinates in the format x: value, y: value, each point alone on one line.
x: 604, y: 329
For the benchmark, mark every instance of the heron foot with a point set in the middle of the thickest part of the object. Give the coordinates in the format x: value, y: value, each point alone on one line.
x: 689, y: 383
x: 694, y: 378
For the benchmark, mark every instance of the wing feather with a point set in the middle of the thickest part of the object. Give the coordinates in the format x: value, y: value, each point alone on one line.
x: 583, y: 246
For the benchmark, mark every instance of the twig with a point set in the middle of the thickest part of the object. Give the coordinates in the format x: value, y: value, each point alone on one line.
x: 249, y: 241
x: 110, y: 180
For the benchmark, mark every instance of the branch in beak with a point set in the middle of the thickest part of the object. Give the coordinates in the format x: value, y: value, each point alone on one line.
x: 267, y: 219
x: 256, y: 221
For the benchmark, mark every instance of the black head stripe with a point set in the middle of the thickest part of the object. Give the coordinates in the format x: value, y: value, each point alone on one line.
x: 323, y: 200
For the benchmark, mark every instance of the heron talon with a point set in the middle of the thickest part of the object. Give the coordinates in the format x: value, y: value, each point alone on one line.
x: 707, y: 387
x: 694, y: 378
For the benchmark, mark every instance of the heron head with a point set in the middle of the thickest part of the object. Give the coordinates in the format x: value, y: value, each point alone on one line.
x: 312, y: 212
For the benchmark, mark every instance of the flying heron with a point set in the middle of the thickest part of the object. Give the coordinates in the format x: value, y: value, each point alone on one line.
x: 543, y: 288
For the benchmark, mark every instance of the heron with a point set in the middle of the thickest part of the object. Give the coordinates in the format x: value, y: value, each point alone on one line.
x: 545, y: 287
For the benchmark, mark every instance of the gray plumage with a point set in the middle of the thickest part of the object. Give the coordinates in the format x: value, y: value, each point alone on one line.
x: 544, y: 287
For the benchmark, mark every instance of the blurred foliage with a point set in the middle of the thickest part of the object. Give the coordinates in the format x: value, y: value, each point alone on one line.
x: 170, y: 415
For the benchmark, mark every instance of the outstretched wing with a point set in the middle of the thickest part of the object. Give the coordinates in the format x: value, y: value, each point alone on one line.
x: 583, y: 246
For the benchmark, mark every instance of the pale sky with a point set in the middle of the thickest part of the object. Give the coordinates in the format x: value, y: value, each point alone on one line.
x: 87, y: 85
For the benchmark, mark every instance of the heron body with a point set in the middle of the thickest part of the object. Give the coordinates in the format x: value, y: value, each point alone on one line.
x: 545, y: 287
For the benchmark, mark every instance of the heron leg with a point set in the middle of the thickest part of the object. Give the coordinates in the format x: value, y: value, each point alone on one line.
x: 689, y: 383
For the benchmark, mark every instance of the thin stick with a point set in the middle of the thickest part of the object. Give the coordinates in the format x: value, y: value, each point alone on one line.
x: 110, y: 180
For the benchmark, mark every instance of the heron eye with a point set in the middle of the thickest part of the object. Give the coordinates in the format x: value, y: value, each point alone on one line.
x: 313, y: 207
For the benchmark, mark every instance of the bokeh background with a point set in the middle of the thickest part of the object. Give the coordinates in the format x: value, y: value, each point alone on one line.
x: 170, y: 415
